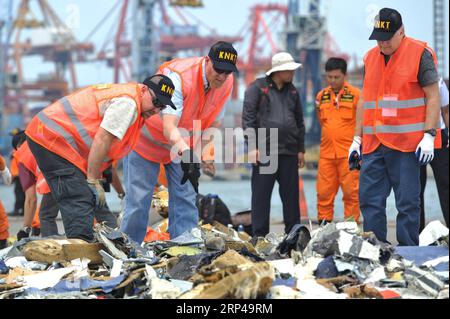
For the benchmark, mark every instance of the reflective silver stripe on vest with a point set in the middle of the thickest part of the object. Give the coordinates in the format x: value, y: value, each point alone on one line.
x: 399, y: 129
x: 58, y: 129
x: 405, y: 104
x: 87, y: 139
x: 149, y: 136
x: 75, y: 121
x: 370, y: 105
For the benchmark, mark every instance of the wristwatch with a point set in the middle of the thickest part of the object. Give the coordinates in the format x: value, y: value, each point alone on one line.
x: 432, y: 132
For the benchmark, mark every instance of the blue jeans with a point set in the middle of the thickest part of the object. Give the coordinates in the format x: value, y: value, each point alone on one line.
x: 384, y: 170
x: 140, y: 177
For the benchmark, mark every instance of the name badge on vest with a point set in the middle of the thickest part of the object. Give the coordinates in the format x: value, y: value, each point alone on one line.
x: 389, y: 112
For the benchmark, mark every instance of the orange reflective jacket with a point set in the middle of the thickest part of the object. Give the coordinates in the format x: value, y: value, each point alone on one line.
x: 198, y: 105
x: 4, y: 225
x: 24, y: 156
x: 68, y: 126
x: 337, y: 116
x: 394, y: 102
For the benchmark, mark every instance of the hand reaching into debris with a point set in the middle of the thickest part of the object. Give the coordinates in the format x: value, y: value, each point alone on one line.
x: 98, y: 191
x: 190, y: 165
x: 23, y: 233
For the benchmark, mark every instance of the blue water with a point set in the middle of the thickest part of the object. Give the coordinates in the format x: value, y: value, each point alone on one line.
x: 237, y: 196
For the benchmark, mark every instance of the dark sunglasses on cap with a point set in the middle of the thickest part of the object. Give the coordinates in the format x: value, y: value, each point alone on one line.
x: 157, y: 103
x: 218, y: 71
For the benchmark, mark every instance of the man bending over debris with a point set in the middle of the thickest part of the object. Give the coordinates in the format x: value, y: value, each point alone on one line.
x: 80, y: 135
x: 202, y: 86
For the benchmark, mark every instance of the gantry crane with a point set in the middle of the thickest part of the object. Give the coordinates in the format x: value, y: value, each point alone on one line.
x: 264, y: 18
x: 58, y: 46
x: 142, y: 43
x: 55, y: 43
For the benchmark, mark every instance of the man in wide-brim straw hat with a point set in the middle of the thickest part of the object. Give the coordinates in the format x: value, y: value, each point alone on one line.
x: 273, y: 102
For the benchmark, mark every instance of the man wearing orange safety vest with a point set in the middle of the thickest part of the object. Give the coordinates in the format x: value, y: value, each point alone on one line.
x: 44, y: 216
x: 76, y: 138
x: 14, y: 168
x: 27, y: 173
x: 396, y: 125
x: 6, y: 178
x: 202, y: 86
x: 336, y: 109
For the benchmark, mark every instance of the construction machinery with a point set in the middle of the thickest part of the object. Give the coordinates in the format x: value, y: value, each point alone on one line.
x: 155, y: 36
x: 305, y: 39
x: 264, y: 21
x: 36, y: 31
x: 186, y: 3
x: 52, y: 41
x: 55, y: 43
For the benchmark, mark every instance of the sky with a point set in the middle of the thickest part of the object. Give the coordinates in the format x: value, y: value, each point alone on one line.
x: 349, y: 23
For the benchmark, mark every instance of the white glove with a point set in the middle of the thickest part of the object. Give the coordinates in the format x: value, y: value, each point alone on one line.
x: 425, y: 149
x: 6, y: 176
x: 355, y: 148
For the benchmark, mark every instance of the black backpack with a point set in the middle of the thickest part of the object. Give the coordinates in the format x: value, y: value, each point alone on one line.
x: 211, y: 208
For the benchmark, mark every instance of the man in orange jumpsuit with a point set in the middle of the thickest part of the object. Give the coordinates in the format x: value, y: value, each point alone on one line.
x: 336, y: 108
x: 6, y: 177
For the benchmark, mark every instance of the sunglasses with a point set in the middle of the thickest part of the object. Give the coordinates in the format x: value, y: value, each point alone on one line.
x: 157, y: 103
x: 218, y: 71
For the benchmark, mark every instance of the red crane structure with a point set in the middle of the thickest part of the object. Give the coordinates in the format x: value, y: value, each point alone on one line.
x: 264, y: 19
x: 56, y: 44
x: 172, y: 38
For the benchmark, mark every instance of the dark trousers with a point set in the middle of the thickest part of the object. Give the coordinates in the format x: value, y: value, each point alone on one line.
x: 47, y: 214
x: 440, y: 171
x: 262, y: 187
x: 49, y: 211
x: 20, y: 197
x: 70, y: 190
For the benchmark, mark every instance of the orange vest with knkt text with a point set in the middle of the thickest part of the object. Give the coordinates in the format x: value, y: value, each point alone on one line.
x: 197, y: 106
x: 68, y: 126
x: 394, y: 102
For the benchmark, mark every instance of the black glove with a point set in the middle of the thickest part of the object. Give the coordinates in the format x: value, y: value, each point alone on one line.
x: 354, y: 162
x: 190, y: 164
x: 107, y: 179
x: 23, y: 233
